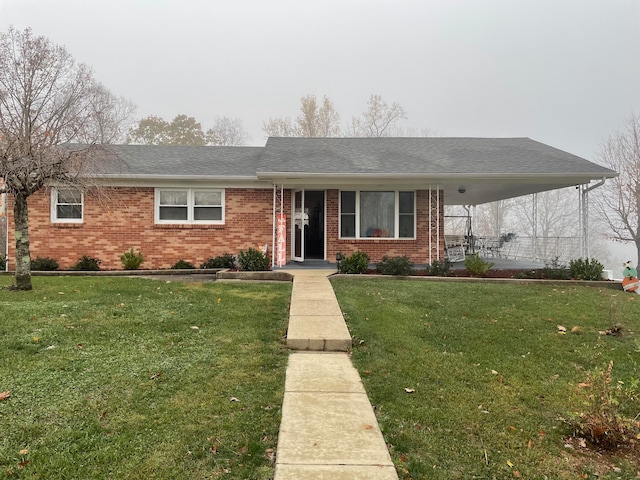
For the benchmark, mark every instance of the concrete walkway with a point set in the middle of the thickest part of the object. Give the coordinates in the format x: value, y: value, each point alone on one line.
x: 328, y: 429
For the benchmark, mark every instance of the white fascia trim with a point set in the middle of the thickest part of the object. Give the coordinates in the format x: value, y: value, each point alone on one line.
x: 440, y: 177
x: 182, y: 181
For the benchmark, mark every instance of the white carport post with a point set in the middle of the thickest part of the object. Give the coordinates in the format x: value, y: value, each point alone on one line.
x: 278, y: 207
x: 584, y: 211
x: 534, y: 242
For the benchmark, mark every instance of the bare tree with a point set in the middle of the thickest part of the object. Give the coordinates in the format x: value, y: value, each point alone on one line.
x: 45, y: 101
x: 227, y: 131
x: 378, y: 120
x: 618, y: 202
x: 279, y: 127
x: 314, y: 120
x: 112, y: 118
x: 317, y: 121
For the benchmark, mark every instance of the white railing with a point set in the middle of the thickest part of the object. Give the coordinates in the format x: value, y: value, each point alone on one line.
x: 542, y: 249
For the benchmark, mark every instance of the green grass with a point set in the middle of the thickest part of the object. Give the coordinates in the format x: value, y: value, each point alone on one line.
x: 494, y: 381
x: 134, y: 379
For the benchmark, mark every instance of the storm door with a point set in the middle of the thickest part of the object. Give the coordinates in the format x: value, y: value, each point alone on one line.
x: 308, y: 225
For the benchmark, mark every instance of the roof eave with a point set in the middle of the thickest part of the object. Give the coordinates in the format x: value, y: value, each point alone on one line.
x: 439, y: 177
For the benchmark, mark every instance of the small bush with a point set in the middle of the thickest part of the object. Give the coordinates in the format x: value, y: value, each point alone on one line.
x: 581, y: 269
x: 183, y: 265
x: 439, y: 269
x: 601, y: 419
x: 222, y: 261
x: 131, y: 260
x: 87, y: 263
x: 3, y: 262
x: 358, y: 262
x: 554, y: 270
x: 253, y: 260
x: 476, y: 266
x: 395, y: 266
x: 44, y: 264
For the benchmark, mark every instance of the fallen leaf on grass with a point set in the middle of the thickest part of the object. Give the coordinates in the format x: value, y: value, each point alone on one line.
x: 155, y: 375
x: 195, y: 328
x: 509, y: 463
x: 5, y: 395
x: 24, y: 451
x: 270, y: 455
x: 575, y: 329
x: 516, y: 474
x: 409, y: 390
x: 233, y: 399
x: 562, y: 329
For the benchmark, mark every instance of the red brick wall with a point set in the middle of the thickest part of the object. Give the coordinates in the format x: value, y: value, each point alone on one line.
x: 126, y: 219
x: 416, y: 249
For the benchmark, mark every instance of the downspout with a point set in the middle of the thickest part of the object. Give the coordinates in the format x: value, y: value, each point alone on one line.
x: 585, y: 216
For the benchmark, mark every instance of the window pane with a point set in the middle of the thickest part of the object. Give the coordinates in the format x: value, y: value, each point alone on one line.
x: 168, y: 197
x: 348, y: 202
x: 377, y: 212
x: 173, y: 213
x: 208, y: 198
x: 207, y: 213
x: 69, y: 196
x: 406, y: 202
x: 348, y: 226
x: 405, y: 223
x: 69, y: 211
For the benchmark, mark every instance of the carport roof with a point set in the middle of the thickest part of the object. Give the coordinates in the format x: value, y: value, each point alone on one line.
x: 419, y: 156
x: 484, y: 169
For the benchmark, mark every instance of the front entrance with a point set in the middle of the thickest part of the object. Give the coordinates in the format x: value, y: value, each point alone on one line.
x: 308, y: 225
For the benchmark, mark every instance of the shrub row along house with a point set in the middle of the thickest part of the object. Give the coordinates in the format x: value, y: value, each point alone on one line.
x: 298, y: 198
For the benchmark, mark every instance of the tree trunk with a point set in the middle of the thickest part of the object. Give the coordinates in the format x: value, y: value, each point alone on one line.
x: 23, y: 259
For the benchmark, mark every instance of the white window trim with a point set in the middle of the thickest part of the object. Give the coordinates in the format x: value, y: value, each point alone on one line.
x: 396, y: 234
x: 190, y: 206
x: 54, y: 206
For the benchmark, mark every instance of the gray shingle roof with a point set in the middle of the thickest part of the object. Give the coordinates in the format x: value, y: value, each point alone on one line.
x: 419, y: 156
x: 344, y: 157
x: 172, y: 161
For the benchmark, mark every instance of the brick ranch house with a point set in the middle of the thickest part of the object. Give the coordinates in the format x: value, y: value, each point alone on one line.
x: 314, y: 196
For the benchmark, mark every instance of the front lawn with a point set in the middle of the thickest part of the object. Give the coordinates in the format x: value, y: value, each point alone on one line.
x: 478, y: 381
x: 140, y: 379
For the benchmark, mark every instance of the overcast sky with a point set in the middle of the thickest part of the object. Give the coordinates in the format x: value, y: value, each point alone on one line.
x: 563, y: 72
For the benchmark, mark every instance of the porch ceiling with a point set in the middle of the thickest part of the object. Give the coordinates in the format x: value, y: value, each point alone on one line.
x: 458, y: 190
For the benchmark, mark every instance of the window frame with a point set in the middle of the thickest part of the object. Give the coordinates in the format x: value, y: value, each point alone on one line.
x: 191, y: 206
x: 55, y: 204
x: 396, y: 234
